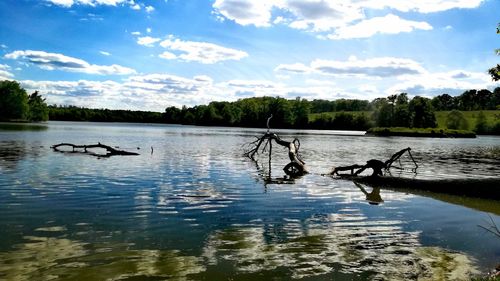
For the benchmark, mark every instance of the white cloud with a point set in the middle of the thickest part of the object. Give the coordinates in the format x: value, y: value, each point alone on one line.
x: 321, y: 15
x: 389, y: 24
x: 452, y: 82
x: 147, y: 41
x: 136, y: 7
x: 150, y: 9
x: 5, y: 73
x: 136, y: 33
x: 53, y: 61
x: 64, y: 3
x: 421, y: 6
x: 142, y: 92
x: 148, y: 30
x: 69, y: 3
x: 295, y: 68
x: 104, y: 53
x: 245, y: 12
x: 329, y: 15
x: 203, y: 52
x: 168, y: 56
x: 374, y: 67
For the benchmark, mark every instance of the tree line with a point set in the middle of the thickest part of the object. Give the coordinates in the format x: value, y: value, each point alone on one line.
x: 392, y: 111
x: 342, y: 114
x: 74, y: 113
x: 469, y: 100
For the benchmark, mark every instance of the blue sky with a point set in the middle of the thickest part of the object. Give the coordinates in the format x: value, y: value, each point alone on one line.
x: 147, y: 55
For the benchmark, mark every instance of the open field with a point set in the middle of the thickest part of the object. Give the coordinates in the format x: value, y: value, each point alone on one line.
x: 492, y: 116
x: 314, y: 116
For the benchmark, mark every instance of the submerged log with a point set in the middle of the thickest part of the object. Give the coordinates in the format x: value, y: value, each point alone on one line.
x: 376, y: 165
x: 78, y: 149
x: 479, y: 188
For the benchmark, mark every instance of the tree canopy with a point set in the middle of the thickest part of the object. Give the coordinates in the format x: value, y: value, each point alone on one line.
x: 495, y: 71
x: 13, y: 101
x: 15, y: 104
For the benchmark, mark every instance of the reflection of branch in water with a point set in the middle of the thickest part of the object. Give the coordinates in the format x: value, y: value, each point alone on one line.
x: 268, y: 179
x: 492, y: 228
x: 373, y: 197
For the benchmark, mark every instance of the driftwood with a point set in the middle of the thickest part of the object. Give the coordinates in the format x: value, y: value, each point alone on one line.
x: 110, y: 151
x: 295, y: 168
x: 376, y: 165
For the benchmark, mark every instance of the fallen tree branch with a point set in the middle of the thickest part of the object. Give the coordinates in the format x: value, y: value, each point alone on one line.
x: 376, y: 165
x: 78, y: 149
x: 296, y: 167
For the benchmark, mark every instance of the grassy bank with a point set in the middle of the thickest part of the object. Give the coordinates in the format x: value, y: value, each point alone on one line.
x: 420, y: 132
x: 315, y: 116
x: 492, y: 116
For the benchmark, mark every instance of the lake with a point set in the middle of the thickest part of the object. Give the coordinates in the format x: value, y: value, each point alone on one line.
x: 194, y: 208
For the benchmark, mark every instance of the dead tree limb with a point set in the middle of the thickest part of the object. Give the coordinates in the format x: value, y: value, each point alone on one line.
x: 110, y: 151
x: 376, y: 165
x: 296, y: 167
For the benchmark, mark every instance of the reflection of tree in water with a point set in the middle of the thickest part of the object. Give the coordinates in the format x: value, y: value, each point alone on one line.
x: 339, y: 244
x: 44, y: 258
x: 344, y: 243
x: 11, y: 152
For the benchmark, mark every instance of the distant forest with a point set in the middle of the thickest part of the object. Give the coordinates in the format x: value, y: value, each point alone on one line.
x: 341, y: 114
x: 463, y: 112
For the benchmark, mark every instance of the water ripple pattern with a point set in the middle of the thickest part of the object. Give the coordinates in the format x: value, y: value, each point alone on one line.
x: 193, y: 208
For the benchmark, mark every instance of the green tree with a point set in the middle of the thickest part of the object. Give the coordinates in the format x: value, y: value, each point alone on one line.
x: 422, y: 113
x: 495, y: 71
x: 38, y: 110
x: 13, y: 101
x: 302, y: 108
x: 456, y: 120
x: 481, y: 124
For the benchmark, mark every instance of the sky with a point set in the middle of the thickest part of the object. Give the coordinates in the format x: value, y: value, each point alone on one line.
x: 152, y: 54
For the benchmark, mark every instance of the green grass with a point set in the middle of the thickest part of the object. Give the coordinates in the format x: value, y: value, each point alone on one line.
x: 314, y: 116
x: 420, y: 132
x: 492, y: 116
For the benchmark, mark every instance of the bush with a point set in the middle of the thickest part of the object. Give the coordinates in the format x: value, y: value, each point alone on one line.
x: 456, y: 120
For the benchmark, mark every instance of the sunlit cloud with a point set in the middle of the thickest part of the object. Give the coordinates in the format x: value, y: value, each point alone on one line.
x: 69, y: 3
x: 295, y: 68
x: 5, y: 73
x: 389, y: 24
x: 147, y: 41
x: 452, y: 82
x: 54, y: 61
x: 245, y: 12
x: 203, y: 52
x: 374, y: 67
x: 341, y: 17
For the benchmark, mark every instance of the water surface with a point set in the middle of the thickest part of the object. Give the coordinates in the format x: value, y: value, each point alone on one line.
x: 195, y: 209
